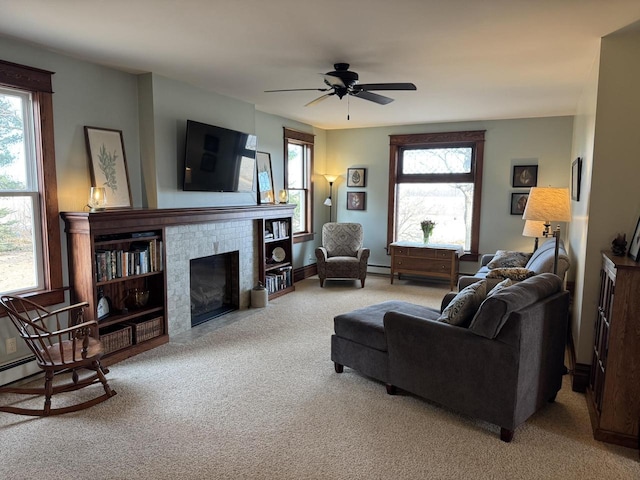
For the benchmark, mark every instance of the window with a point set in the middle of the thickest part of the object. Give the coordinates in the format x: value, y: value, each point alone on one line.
x: 30, y: 259
x: 436, y: 176
x: 298, y: 168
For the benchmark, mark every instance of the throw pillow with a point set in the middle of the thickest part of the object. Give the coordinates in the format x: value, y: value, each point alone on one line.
x: 513, y: 273
x: 503, y: 284
x: 464, y: 305
x: 507, y: 258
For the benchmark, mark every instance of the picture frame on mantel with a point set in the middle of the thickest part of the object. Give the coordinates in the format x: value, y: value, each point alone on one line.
x: 265, y: 178
x: 108, y: 165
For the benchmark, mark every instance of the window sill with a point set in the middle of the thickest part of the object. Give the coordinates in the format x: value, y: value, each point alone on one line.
x: 303, y: 237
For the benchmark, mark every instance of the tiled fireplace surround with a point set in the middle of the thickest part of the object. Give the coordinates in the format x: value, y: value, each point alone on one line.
x: 186, y: 242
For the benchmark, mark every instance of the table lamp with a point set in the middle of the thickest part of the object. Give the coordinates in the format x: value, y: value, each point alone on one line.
x: 533, y: 228
x: 549, y: 204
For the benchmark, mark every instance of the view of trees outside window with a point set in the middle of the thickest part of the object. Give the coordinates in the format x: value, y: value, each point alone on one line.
x: 448, y: 204
x: 18, y: 195
x: 296, y: 184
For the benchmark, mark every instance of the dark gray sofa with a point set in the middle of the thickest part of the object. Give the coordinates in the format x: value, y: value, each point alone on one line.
x: 506, y: 365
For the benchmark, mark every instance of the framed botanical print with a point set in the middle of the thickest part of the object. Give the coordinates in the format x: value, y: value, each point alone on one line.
x: 356, y: 200
x: 518, y: 203
x: 356, y: 177
x: 525, y: 176
x: 108, y: 165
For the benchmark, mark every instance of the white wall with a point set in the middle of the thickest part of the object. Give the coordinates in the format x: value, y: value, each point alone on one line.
x: 545, y: 142
x: 614, y: 196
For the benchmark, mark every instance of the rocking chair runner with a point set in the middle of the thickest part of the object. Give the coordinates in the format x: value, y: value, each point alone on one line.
x: 63, y: 349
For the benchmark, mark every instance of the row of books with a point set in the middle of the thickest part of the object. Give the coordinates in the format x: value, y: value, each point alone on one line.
x: 279, y: 279
x: 276, y: 229
x: 142, y: 257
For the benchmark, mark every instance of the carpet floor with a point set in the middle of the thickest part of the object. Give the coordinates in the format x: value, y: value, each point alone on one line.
x: 255, y: 396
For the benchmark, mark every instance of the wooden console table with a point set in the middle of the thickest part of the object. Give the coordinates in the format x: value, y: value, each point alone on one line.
x: 441, y: 261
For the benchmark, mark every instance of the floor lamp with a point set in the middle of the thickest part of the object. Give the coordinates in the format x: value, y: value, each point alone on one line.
x: 533, y: 228
x: 549, y: 204
x: 328, y: 202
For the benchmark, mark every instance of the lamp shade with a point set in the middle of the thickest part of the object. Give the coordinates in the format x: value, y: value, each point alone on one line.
x: 533, y: 228
x: 548, y: 204
x: 328, y: 202
x: 331, y: 178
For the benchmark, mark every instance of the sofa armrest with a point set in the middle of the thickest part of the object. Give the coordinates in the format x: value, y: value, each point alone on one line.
x: 446, y: 300
x: 452, y: 366
x: 485, y: 259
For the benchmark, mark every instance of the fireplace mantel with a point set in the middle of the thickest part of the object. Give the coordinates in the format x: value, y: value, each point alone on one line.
x: 136, y: 218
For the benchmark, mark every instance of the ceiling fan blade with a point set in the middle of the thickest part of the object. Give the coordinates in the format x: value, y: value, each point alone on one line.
x: 332, y: 80
x: 372, y: 97
x: 366, y: 87
x: 319, y: 99
x: 299, y: 90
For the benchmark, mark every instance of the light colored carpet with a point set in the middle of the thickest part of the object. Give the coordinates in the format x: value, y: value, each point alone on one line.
x: 258, y: 398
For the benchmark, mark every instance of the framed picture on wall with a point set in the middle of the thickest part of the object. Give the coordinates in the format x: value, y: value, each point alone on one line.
x: 356, y: 177
x: 518, y: 203
x: 356, y: 200
x: 525, y: 176
x: 576, y: 177
x: 108, y: 165
x: 634, y: 247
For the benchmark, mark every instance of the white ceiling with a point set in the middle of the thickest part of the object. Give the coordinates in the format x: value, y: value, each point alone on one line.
x: 470, y: 59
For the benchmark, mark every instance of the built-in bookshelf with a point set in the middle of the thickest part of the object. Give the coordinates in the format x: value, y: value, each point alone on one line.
x: 112, y: 270
x: 276, y: 267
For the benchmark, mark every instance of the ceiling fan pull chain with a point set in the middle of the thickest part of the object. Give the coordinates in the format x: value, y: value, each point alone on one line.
x: 348, y: 109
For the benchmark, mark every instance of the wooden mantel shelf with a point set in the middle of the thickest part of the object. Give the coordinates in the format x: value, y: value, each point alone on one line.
x: 140, y: 218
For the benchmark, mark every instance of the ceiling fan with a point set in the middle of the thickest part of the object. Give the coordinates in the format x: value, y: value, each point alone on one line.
x: 343, y: 82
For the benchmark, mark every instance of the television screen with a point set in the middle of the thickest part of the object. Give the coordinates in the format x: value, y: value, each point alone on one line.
x: 218, y: 159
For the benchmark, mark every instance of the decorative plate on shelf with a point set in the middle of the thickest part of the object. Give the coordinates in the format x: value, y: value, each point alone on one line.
x: 278, y: 254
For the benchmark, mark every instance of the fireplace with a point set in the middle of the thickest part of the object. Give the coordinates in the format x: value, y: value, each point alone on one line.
x: 214, y: 286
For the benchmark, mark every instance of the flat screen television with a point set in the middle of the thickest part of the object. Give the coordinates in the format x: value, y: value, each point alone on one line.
x: 218, y: 159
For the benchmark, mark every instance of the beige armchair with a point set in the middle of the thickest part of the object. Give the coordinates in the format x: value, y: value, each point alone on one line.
x: 341, y: 254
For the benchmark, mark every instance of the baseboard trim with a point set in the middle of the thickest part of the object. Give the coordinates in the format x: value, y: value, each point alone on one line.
x: 580, y: 372
x: 306, y: 271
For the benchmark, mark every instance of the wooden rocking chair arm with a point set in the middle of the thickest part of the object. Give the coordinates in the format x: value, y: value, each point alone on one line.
x: 67, y: 308
x: 73, y: 328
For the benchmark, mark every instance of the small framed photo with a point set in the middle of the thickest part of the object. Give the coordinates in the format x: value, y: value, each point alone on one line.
x: 356, y: 177
x: 525, y: 176
x: 108, y: 165
x: 265, y: 178
x: 518, y: 203
x: 576, y: 177
x: 356, y: 200
x: 634, y: 248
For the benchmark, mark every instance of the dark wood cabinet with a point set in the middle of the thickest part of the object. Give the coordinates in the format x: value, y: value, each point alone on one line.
x: 418, y: 259
x: 613, y: 395
x: 115, y: 261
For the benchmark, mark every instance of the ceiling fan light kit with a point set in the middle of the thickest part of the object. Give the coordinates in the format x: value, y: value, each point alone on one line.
x: 343, y: 82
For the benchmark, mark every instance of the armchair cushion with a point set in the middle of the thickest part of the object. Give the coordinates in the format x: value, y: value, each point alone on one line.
x: 508, y: 258
x: 512, y: 273
x: 464, y: 305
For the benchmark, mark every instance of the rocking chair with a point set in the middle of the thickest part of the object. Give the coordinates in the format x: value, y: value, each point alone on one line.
x: 61, y: 350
